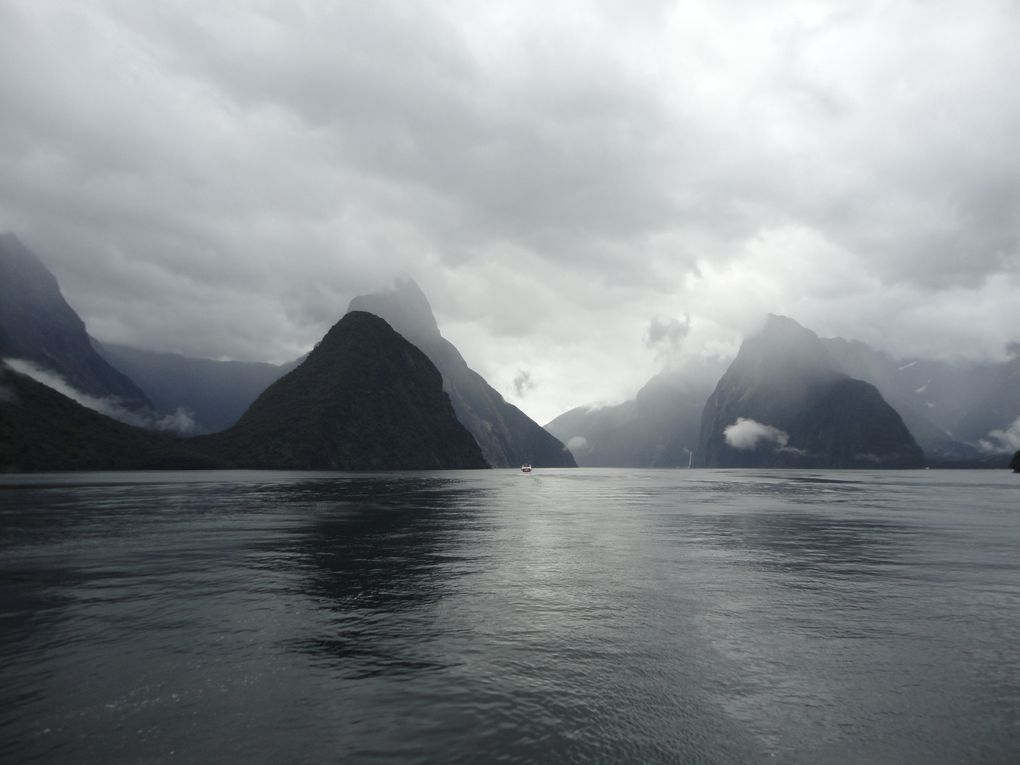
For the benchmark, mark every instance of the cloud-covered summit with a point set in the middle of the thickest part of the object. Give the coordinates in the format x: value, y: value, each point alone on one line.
x: 221, y: 179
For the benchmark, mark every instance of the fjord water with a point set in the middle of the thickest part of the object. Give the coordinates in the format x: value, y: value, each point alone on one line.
x: 561, y: 616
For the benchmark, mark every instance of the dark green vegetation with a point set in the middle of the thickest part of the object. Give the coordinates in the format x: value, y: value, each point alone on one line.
x: 41, y: 430
x: 38, y: 325
x: 214, y: 393
x: 506, y: 435
x: 807, y: 413
x: 364, y: 399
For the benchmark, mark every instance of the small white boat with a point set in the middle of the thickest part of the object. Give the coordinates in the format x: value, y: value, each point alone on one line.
x: 526, y: 467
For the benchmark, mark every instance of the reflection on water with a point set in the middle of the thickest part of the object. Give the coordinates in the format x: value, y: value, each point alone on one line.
x: 578, y: 616
x: 380, y: 550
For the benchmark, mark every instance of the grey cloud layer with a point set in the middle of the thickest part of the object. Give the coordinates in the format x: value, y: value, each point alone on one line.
x: 216, y: 179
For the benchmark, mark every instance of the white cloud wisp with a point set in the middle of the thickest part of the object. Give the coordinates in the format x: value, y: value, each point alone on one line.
x: 746, y: 434
x: 180, y: 421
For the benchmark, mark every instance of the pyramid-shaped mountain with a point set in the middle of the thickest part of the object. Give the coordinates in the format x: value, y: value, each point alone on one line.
x: 784, y: 403
x: 506, y: 435
x: 38, y: 325
x: 364, y: 399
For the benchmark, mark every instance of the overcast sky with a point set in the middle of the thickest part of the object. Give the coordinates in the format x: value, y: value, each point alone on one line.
x: 585, y: 191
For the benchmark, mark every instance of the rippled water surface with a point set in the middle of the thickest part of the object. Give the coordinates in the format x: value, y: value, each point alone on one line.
x: 491, y: 616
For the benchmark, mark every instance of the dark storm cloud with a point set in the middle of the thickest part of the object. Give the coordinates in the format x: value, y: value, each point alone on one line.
x: 220, y: 178
x: 556, y: 148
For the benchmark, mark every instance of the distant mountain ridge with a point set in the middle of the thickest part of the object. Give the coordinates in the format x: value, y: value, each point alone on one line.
x: 506, y: 435
x: 214, y: 393
x: 958, y: 413
x: 783, y: 402
x: 903, y: 385
x: 950, y: 408
x: 659, y: 427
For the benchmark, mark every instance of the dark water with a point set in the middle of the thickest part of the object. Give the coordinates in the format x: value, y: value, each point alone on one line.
x: 566, y: 616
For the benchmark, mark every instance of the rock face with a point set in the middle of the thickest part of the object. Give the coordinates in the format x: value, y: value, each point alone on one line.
x: 39, y: 326
x: 214, y: 393
x: 953, y: 409
x: 784, y: 403
x: 1014, y: 463
x: 658, y: 428
x: 930, y: 396
x: 506, y: 435
x: 363, y: 399
x: 41, y: 429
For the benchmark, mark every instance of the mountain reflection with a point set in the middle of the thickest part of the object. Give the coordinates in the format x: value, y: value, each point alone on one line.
x: 375, y: 559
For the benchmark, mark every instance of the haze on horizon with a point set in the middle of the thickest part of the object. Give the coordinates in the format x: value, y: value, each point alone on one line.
x: 585, y: 192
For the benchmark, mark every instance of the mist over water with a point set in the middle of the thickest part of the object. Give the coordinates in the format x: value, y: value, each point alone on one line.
x: 562, y: 616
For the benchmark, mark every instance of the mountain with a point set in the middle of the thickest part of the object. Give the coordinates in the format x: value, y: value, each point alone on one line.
x: 214, y: 393
x: 659, y: 427
x: 38, y: 325
x: 908, y: 387
x: 363, y: 399
x: 43, y: 430
x: 949, y: 407
x: 506, y: 435
x: 998, y: 406
x: 783, y: 402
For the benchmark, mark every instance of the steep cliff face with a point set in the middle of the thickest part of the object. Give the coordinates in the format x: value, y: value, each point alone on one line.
x: 39, y: 326
x: 364, y: 399
x: 784, y: 403
x: 915, y: 389
x: 506, y: 436
x: 956, y: 410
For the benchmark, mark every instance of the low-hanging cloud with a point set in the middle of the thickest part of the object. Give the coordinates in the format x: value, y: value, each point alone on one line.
x: 747, y: 434
x: 181, y: 421
x: 1002, y: 441
x: 523, y: 383
x: 578, y: 444
x: 667, y: 335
